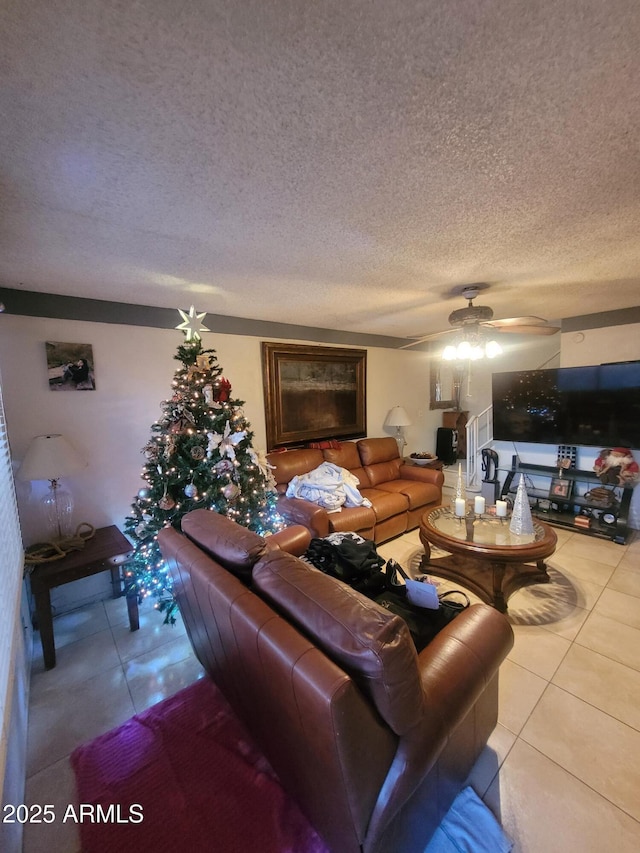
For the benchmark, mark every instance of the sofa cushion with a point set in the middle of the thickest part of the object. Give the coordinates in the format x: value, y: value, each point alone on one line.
x: 418, y: 494
x: 353, y: 518
x: 292, y: 463
x: 367, y: 641
x: 375, y: 450
x: 385, y: 503
x: 234, y: 547
x: 346, y: 456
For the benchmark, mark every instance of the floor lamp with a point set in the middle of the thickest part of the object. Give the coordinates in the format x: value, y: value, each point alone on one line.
x: 50, y: 457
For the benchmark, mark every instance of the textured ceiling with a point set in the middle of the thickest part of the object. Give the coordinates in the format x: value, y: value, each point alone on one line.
x: 339, y: 164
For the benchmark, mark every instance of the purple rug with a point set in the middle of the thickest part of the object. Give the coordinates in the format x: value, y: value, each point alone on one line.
x: 185, y: 776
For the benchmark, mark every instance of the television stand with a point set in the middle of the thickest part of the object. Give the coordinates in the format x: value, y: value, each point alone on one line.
x: 577, y: 510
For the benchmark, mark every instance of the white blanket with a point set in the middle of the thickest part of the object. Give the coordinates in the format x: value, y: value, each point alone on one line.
x: 329, y: 486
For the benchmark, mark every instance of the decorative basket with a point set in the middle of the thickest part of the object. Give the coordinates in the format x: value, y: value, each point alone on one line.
x: 602, y: 497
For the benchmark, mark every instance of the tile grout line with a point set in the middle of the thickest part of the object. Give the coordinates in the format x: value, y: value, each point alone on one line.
x: 577, y: 778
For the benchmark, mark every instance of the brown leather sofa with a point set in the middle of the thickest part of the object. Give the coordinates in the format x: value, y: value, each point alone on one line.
x: 372, y: 740
x: 399, y: 493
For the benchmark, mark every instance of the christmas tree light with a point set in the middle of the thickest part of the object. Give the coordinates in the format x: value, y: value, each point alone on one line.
x: 199, y: 455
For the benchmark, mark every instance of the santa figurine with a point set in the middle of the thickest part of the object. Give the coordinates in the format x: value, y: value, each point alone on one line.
x: 616, y: 466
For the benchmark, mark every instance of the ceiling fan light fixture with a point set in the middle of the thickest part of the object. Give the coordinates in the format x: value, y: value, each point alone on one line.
x: 471, y: 350
x: 493, y: 349
x: 464, y: 350
x: 449, y: 353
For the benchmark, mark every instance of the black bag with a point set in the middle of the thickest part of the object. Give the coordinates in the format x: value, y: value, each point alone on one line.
x: 350, y: 558
x: 423, y: 623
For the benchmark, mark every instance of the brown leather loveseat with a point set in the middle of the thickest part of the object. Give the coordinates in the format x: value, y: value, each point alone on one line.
x: 372, y: 740
x: 399, y: 493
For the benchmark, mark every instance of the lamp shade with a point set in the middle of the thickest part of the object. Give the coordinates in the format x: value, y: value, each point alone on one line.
x: 50, y: 457
x: 397, y: 417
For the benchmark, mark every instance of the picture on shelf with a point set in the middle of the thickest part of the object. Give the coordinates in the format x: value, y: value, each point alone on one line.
x: 560, y: 488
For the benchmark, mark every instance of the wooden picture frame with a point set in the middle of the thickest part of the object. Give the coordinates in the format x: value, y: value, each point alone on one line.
x: 70, y: 366
x: 313, y: 393
x: 445, y: 383
x: 560, y: 489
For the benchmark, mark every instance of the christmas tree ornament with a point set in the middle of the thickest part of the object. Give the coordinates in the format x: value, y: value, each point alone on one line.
x: 208, y: 394
x: 224, y: 466
x: 190, y: 490
x: 259, y: 459
x: 197, y: 452
x: 204, y: 361
x: 221, y: 390
x: 192, y: 324
x: 166, y: 502
x: 521, y: 520
x: 144, y: 493
x: 231, y: 491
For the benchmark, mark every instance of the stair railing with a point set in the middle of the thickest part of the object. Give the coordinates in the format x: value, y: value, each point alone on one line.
x: 479, y: 435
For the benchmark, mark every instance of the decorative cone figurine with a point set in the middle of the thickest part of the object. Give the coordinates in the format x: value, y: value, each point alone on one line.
x: 521, y: 520
x: 460, y: 490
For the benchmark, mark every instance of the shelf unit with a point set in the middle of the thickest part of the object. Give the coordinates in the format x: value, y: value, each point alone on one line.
x: 562, y: 512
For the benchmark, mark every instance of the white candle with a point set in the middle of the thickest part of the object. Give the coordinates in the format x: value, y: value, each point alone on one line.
x: 479, y: 504
x: 501, y: 509
x: 461, y: 507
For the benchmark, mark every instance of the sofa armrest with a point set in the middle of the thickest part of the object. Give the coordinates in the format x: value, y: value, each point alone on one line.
x: 309, y: 515
x: 455, y: 669
x: 462, y: 659
x: 424, y: 475
x: 294, y: 540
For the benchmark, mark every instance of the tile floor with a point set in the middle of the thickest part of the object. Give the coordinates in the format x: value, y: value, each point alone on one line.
x: 567, y: 744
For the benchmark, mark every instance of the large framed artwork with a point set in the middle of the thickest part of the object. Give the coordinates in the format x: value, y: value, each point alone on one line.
x: 313, y: 393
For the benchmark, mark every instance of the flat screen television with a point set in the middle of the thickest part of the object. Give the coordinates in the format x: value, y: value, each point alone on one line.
x: 595, y: 406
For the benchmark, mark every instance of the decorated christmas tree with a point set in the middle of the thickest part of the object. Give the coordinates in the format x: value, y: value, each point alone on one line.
x: 199, y: 455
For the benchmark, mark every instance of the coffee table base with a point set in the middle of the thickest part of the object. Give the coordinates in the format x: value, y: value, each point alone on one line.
x: 493, y: 581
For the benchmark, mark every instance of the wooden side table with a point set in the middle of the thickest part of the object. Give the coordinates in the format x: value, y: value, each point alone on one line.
x: 436, y: 465
x: 97, y: 556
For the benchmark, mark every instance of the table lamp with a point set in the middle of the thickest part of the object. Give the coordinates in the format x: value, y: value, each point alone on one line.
x: 398, y: 418
x: 50, y: 457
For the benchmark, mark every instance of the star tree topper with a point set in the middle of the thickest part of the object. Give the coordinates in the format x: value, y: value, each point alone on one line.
x: 192, y: 324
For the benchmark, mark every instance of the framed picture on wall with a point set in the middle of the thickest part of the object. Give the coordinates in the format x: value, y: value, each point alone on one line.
x: 313, y: 393
x: 70, y: 367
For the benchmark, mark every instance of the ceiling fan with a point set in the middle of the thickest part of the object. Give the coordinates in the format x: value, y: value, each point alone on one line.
x: 475, y: 325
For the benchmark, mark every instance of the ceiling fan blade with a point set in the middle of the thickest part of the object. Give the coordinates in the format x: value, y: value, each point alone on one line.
x: 425, y: 338
x: 524, y: 330
x: 516, y: 321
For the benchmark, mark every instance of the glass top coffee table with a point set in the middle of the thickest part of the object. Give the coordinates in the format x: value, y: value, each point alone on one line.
x: 484, y: 556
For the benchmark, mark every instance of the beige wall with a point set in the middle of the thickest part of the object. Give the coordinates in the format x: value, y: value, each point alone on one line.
x: 598, y: 346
